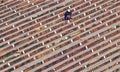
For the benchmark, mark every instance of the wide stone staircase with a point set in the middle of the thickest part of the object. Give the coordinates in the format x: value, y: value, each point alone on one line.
x: 35, y: 38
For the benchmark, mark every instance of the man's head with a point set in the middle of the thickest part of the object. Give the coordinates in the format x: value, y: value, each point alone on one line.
x: 68, y: 10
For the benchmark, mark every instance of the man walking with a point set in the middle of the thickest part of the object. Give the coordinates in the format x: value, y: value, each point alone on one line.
x: 67, y: 15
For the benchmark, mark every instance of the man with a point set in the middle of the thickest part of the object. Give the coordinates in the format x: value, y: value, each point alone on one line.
x: 67, y: 15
